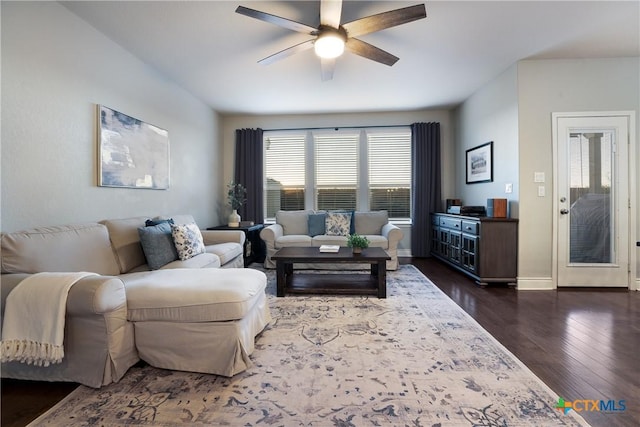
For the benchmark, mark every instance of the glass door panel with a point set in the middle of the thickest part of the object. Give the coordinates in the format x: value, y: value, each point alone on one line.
x: 590, y: 197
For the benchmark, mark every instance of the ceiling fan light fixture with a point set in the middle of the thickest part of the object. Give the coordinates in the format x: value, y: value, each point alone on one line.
x: 331, y: 38
x: 329, y: 45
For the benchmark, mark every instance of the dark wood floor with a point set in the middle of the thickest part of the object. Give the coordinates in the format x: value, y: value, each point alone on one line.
x: 584, y: 344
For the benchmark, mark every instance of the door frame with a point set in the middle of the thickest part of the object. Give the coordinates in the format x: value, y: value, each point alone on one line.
x: 631, y: 165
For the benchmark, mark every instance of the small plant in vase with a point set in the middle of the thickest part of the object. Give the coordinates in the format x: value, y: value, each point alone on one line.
x: 357, y: 243
x: 236, y: 197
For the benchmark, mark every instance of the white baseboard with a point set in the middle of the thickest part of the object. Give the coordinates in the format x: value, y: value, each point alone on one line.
x: 535, y: 283
x: 404, y: 252
x: 545, y: 283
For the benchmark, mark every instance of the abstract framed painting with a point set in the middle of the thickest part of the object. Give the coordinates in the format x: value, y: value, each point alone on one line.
x: 480, y: 163
x: 132, y: 153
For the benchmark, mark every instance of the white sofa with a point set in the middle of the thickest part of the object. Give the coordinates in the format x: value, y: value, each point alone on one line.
x: 187, y: 315
x: 299, y: 228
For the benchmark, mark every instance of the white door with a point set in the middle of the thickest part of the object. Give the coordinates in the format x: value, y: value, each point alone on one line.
x: 592, y: 201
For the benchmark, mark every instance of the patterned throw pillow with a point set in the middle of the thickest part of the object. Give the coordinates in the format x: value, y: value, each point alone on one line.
x: 338, y: 224
x: 188, y: 240
x: 352, y: 228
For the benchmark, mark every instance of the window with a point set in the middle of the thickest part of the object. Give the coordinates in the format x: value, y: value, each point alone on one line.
x: 284, y: 172
x: 336, y: 170
x: 390, y: 173
x: 361, y: 169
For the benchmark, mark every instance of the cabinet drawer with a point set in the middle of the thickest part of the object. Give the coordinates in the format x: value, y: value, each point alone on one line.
x: 471, y: 227
x: 451, y: 223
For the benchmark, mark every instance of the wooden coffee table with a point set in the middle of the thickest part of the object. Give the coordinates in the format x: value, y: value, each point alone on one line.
x: 345, y: 282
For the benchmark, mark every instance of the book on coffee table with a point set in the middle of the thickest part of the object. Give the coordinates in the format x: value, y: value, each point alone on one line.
x: 329, y: 248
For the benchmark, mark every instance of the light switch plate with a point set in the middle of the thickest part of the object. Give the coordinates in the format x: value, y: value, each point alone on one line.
x: 541, y: 191
x: 538, y: 177
x: 508, y: 188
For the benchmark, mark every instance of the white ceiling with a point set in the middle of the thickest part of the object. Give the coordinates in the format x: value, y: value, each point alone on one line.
x: 211, y: 51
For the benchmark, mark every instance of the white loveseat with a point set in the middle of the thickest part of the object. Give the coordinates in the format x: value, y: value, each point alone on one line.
x: 186, y: 315
x: 303, y: 228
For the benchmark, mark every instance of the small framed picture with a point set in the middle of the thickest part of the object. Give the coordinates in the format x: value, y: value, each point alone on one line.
x: 480, y: 163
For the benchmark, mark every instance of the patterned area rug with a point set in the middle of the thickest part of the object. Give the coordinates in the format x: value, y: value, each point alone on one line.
x: 413, y: 359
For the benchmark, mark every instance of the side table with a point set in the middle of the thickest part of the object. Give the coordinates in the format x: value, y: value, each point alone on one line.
x: 254, y: 248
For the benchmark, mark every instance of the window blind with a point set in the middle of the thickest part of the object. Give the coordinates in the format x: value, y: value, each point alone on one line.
x: 336, y: 170
x: 284, y: 172
x: 389, y: 162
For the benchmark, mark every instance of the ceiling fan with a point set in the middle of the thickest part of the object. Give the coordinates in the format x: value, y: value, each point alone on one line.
x: 331, y: 37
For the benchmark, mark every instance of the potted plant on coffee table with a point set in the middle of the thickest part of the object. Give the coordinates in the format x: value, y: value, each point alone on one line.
x: 357, y: 243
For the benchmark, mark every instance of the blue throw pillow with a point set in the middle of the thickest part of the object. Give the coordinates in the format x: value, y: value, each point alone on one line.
x: 157, y: 245
x: 316, y: 223
x: 152, y: 222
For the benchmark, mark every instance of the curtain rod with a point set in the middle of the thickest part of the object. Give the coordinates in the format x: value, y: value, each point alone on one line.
x: 338, y: 128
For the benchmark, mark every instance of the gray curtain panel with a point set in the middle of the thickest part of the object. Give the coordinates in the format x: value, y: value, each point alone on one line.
x: 249, y: 167
x: 425, y: 153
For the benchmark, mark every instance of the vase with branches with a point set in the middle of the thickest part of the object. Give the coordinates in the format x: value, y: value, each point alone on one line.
x: 236, y: 197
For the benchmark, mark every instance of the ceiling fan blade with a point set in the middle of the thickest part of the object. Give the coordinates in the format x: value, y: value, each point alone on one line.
x: 277, y: 20
x: 330, y: 12
x: 369, y: 51
x: 287, y: 52
x: 328, y: 65
x: 384, y: 20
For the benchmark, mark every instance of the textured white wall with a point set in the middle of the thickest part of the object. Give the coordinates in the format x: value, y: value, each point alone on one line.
x: 55, y: 69
x: 490, y: 114
x: 544, y: 87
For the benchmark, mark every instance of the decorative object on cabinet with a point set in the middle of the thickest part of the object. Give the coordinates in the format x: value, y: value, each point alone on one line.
x: 484, y: 248
x: 132, y: 153
x: 453, y: 206
x: 479, y: 162
x: 476, y: 211
x: 497, y: 208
